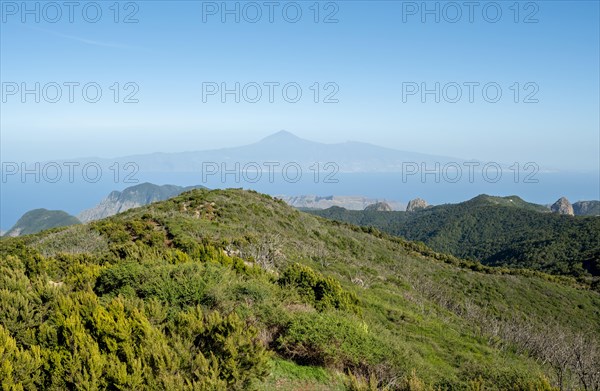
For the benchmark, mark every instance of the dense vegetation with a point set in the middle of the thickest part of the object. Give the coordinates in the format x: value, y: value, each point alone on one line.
x: 37, y: 220
x: 495, y: 231
x: 234, y: 290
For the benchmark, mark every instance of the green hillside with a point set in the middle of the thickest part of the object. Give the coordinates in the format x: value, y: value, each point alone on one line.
x: 497, y: 231
x: 41, y: 219
x: 509, y: 201
x: 230, y: 289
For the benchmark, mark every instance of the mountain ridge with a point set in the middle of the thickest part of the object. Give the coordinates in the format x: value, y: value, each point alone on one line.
x: 356, y: 305
x: 283, y: 147
x: 131, y: 197
x: 497, y: 231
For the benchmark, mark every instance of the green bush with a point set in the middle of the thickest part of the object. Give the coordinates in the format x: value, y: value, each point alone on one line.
x: 224, y: 346
x: 330, y: 339
x: 319, y: 291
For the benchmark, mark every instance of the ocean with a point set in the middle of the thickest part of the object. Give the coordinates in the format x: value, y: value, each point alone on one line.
x: 18, y: 196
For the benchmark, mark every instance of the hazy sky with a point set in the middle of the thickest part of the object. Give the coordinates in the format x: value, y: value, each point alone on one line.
x: 373, y: 53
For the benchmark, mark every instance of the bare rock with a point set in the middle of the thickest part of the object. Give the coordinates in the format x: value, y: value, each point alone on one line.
x: 379, y: 207
x: 563, y: 207
x: 586, y: 208
x: 416, y: 204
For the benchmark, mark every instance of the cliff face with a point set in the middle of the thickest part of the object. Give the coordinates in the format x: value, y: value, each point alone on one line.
x: 563, y: 207
x: 131, y: 197
x: 115, y: 202
x: 346, y: 202
x: 586, y: 208
x: 416, y: 204
x: 379, y: 207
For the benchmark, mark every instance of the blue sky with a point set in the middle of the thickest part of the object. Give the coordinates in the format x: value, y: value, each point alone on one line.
x: 369, y: 53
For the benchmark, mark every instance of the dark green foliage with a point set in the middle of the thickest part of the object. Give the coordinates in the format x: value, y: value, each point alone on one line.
x: 229, y: 347
x: 494, y: 231
x: 321, y: 292
x: 180, y: 285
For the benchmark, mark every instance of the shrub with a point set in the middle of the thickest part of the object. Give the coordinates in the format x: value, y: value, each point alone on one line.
x: 322, y: 292
x: 227, y: 347
x: 330, y: 339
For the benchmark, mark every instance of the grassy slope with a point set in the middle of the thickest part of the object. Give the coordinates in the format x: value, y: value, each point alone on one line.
x: 416, y: 312
x: 41, y: 219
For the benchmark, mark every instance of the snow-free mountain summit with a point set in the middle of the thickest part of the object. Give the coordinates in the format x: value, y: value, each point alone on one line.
x: 284, y: 147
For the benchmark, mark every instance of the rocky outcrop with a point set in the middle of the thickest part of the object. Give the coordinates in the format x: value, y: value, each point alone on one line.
x: 109, y: 206
x: 563, y: 207
x: 416, y: 204
x: 13, y: 232
x: 379, y: 207
x: 346, y: 202
x: 586, y: 208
